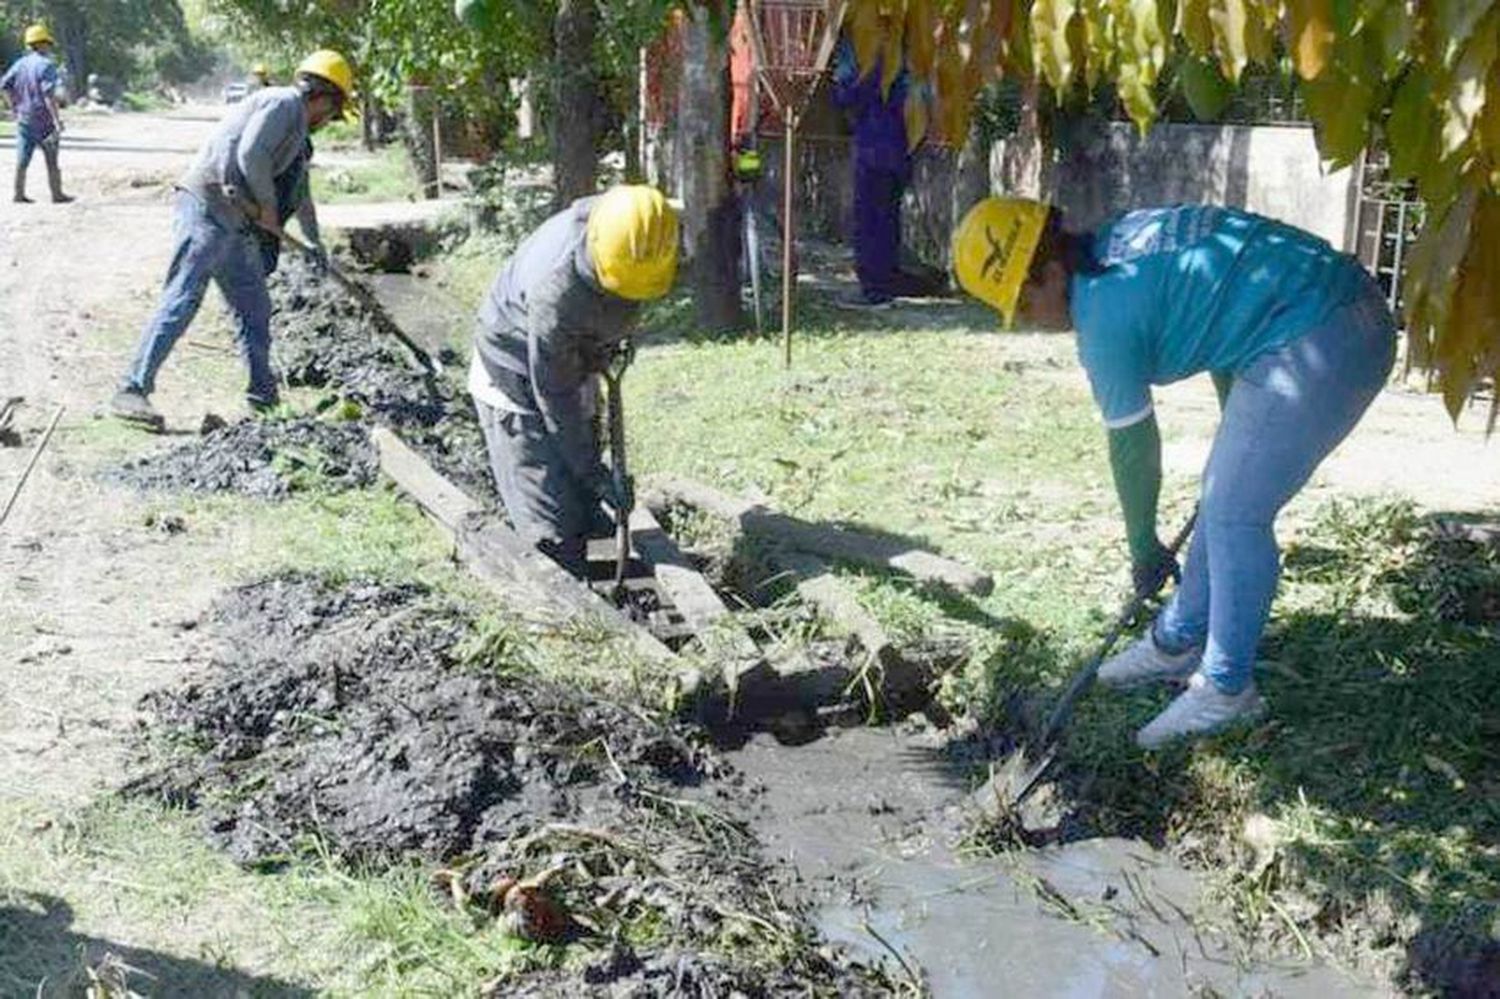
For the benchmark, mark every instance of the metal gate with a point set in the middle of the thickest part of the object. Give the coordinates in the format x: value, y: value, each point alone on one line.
x: 1388, y: 220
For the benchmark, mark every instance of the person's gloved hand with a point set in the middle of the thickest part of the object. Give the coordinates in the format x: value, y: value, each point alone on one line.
x: 616, y: 495
x: 318, y: 257
x: 1151, y: 573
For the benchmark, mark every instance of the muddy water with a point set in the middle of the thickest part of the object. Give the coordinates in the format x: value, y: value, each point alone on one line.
x: 868, y: 817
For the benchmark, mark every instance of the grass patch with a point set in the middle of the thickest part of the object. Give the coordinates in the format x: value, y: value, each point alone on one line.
x: 125, y: 890
x: 385, y: 175
x: 143, y: 100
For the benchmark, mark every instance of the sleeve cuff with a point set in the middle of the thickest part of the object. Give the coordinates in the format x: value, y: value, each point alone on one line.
x: 1132, y: 419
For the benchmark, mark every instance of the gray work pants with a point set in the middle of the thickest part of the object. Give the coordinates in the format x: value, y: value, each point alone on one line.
x: 547, y: 504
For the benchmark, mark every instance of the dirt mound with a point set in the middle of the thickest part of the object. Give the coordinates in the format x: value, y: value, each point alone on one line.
x: 359, y: 715
x: 326, y: 338
x: 270, y: 459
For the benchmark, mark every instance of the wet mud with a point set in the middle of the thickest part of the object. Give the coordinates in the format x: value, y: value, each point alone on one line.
x: 328, y: 339
x: 357, y: 718
x: 874, y: 820
x: 266, y: 459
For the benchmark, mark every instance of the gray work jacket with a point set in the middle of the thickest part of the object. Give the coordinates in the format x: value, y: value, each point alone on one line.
x: 546, y: 328
x: 258, y: 141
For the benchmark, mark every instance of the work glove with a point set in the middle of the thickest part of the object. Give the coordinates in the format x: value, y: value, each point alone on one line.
x: 1150, y: 575
x: 618, y: 495
x: 317, y: 256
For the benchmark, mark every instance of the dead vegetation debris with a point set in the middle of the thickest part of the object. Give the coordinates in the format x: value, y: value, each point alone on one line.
x: 354, y: 719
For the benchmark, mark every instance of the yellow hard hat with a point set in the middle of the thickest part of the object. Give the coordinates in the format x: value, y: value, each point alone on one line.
x: 260, y: 69
x: 632, y: 240
x: 993, y: 248
x: 38, y: 34
x: 329, y: 65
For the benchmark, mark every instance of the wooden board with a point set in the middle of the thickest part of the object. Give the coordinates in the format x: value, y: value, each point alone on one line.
x: 857, y: 547
x: 496, y: 554
x: 697, y: 601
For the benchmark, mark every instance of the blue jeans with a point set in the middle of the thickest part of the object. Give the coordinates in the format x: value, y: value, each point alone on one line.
x: 1288, y: 409
x: 205, y: 250
x: 28, y: 141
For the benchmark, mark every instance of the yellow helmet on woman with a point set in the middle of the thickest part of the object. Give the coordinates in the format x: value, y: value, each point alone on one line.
x: 632, y: 240
x: 993, y: 248
x: 38, y: 34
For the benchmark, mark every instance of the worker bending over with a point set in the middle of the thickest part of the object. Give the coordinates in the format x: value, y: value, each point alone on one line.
x: 1300, y: 339
x: 30, y: 86
x: 558, y: 313
x: 248, y: 180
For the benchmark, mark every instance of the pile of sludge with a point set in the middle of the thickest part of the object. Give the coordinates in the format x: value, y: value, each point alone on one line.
x: 378, y: 721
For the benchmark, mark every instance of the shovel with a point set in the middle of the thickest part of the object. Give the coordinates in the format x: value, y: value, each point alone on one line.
x: 1012, y: 782
x: 619, y: 471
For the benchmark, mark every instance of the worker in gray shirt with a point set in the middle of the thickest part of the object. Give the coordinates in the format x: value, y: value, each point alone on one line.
x: 226, y: 207
x: 560, y: 309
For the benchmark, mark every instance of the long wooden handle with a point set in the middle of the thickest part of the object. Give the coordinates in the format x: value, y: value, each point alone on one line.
x: 1084, y: 678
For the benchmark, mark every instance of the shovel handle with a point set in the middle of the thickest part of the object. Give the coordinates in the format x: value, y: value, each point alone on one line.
x: 1084, y: 679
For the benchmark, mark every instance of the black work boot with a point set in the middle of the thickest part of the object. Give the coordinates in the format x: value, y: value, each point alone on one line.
x: 132, y: 406
x: 20, y: 197
x: 54, y: 181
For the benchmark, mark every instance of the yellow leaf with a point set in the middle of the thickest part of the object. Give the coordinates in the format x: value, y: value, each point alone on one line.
x: 1260, y: 30
x: 1049, y: 37
x: 915, y: 112
x: 1099, y: 40
x: 997, y: 32
x: 866, y: 29
x: 921, y: 37
x: 1488, y: 125
x: 1468, y: 345
x: 1194, y: 25
x: 1230, y: 21
x: 1466, y: 89
x: 1138, y: 99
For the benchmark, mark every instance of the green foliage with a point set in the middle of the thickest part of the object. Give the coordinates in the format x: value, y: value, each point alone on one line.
x: 138, y: 42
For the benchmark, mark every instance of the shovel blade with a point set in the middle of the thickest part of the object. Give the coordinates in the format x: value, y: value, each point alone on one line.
x: 1013, y: 780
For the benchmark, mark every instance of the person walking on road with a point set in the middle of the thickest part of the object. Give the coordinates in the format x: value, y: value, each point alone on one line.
x: 1300, y: 341
x: 30, y: 86
x: 556, y: 317
x: 248, y: 180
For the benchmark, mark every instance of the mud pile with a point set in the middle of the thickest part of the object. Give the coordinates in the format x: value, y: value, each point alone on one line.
x: 268, y: 459
x: 358, y: 716
x: 326, y: 338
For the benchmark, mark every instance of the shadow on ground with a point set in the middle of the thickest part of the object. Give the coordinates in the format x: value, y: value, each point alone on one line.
x: 41, y: 955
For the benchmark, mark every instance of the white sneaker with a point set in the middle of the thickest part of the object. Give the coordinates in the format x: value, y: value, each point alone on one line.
x: 1146, y: 662
x: 1199, y: 710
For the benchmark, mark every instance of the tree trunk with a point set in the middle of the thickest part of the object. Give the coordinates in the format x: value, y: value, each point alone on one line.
x: 576, y: 101
x: 1026, y: 169
x: 971, y: 173
x: 71, y: 26
x: 416, y: 135
x: 711, y: 213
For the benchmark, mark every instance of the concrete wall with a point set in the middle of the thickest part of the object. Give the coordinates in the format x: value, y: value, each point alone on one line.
x: 1272, y: 170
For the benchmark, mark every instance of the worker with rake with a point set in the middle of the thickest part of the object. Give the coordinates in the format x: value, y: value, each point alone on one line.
x: 558, y: 316
x: 249, y: 179
x: 1299, y: 340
